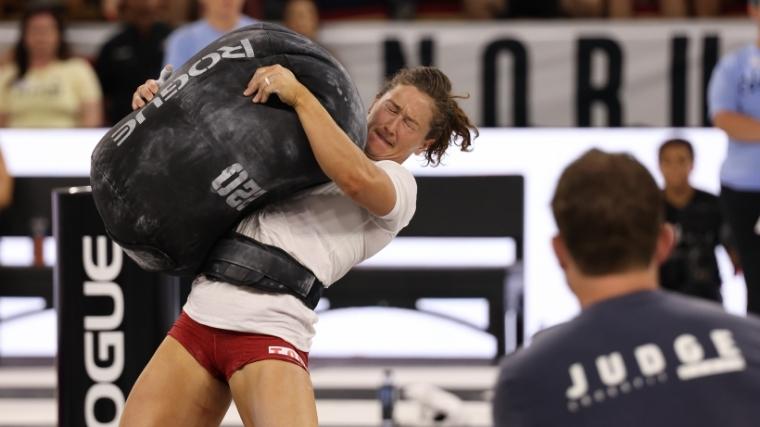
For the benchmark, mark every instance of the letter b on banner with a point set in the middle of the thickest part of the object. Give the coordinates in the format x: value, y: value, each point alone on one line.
x: 111, y: 314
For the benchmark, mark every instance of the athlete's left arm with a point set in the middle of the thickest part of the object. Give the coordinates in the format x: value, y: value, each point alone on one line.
x: 347, y: 165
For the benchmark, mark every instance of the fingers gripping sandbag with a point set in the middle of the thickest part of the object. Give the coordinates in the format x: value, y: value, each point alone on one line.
x: 171, y: 178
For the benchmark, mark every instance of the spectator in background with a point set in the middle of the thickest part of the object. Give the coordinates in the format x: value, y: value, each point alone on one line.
x: 43, y: 86
x: 692, y: 267
x: 533, y: 9
x: 6, y: 185
x: 734, y: 99
x: 302, y: 17
x: 483, y: 9
x: 110, y: 9
x: 355, y: 9
x: 684, y: 8
x: 597, y: 8
x: 219, y: 18
x: 635, y: 355
x: 133, y: 55
x: 630, y: 8
x: 178, y: 12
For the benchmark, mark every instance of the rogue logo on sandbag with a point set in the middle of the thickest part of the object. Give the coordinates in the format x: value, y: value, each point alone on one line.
x: 205, y: 63
x: 234, y: 184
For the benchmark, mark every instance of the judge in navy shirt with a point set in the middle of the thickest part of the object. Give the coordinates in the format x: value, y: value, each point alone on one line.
x: 635, y: 355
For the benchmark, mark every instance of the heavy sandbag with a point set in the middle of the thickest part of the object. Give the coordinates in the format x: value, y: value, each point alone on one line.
x: 174, y: 176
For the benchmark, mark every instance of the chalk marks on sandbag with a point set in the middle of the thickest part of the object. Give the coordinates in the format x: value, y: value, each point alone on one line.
x: 242, y: 50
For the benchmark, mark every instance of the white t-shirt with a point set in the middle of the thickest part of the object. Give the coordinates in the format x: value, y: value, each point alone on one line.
x: 326, y: 232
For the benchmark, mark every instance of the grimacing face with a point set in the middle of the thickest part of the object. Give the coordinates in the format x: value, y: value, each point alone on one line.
x: 398, y: 123
x: 676, y: 165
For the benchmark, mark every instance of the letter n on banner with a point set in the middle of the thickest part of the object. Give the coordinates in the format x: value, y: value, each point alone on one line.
x: 393, y: 55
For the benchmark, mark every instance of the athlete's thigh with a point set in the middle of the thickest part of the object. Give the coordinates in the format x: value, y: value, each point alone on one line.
x: 274, y: 393
x: 175, y: 390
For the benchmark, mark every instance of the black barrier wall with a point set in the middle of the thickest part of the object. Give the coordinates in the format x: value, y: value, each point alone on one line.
x: 111, y: 314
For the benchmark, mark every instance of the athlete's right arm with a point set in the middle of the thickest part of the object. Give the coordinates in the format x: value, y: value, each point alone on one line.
x: 340, y: 159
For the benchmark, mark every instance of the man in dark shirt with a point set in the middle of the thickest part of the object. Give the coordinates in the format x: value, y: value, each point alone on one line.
x: 133, y: 55
x: 692, y: 267
x: 636, y: 355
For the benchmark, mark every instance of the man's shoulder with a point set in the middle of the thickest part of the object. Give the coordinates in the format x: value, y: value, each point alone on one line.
x: 246, y: 20
x: 656, y: 311
x: 688, y: 307
x: 545, y: 344
x: 161, y: 29
x: 121, y: 37
x: 676, y: 311
x: 74, y: 65
x: 189, y: 29
x: 736, y: 58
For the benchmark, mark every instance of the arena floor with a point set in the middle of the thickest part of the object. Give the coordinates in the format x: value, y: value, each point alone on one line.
x: 345, y: 395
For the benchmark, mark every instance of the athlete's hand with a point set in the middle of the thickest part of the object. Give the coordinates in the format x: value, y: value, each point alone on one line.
x: 146, y: 91
x: 275, y: 79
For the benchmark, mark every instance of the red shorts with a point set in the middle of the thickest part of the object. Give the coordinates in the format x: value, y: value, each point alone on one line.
x: 223, y: 352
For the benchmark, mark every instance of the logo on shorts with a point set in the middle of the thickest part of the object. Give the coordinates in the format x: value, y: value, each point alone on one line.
x: 286, y: 351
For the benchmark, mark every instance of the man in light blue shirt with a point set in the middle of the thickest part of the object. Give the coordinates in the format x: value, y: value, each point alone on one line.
x: 734, y: 98
x: 219, y: 18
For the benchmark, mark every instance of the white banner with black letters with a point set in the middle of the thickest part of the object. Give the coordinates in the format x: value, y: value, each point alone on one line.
x: 552, y: 73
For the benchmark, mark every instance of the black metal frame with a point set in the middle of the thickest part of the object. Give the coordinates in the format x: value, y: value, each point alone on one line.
x: 31, y: 202
x: 453, y: 206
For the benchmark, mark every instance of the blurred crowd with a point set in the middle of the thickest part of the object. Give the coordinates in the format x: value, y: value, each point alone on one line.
x: 176, y: 12
x: 42, y: 85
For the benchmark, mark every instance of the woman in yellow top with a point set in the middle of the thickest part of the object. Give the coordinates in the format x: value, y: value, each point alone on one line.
x: 42, y: 87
